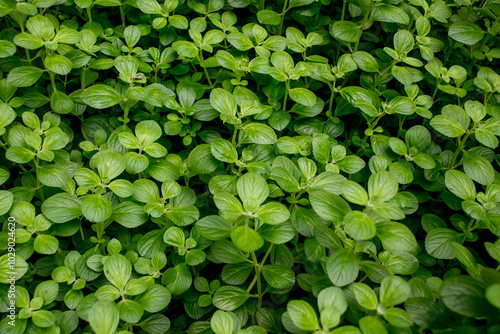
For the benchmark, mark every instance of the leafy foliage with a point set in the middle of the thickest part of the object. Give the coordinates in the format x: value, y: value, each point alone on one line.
x: 241, y: 166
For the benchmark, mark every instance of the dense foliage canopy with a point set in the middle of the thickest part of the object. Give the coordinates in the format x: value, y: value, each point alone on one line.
x: 244, y: 166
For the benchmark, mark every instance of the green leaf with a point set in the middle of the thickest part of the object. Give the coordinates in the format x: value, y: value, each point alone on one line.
x: 382, y: 186
x: 43, y: 318
x: 24, y: 76
x: 117, y: 270
x: 466, y: 32
x: 303, y: 96
x: 223, y: 101
x: 223, y: 150
x: 229, y: 205
x: 253, y: 191
x: 465, y: 296
x: 460, y: 184
x: 447, y: 126
x: 28, y: 41
x: 267, y: 16
x: 478, y: 168
x: 201, y: 160
x: 438, y: 243
x: 222, y: 323
x: 100, y: 96
x: 239, y: 41
x: 18, y: 154
x: 303, y: 315
x: 61, y: 103
x: 52, y: 175
x: 402, y: 75
x: 359, y: 225
x: 342, y: 267
x: 214, y: 228
x: 62, y: 208
x: 329, y: 206
x: 104, y: 317
x: 493, y: 295
x: 398, y: 317
x: 229, y: 298
x: 273, y: 213
x: 396, y: 237
x: 403, y: 42
x: 6, y: 266
x: 354, y: 193
x: 6, y: 199
x: 7, y: 49
x: 96, y: 208
x: 259, y: 133
x: 150, y: 7
x: 130, y: 311
x: 279, y: 277
x: 157, y: 297
x: 372, y: 325
x: 365, y: 296
x: 365, y: 61
x: 246, y: 239
x: 46, y: 244
x: 58, y: 64
x: 174, y: 236
x: 147, y: 132
x: 394, y: 290
x: 155, y: 324
x: 346, y: 31
x: 393, y: 14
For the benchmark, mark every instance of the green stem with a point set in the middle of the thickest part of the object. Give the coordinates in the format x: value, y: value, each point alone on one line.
x: 52, y: 80
x: 341, y: 19
x: 89, y: 14
x: 83, y: 77
x: 21, y: 25
x: 259, y: 283
x: 38, y: 184
x: 205, y: 69
x: 122, y: 14
x: 81, y: 232
x: 318, y: 13
x: 332, y: 95
x: 285, y: 5
x: 235, y: 134
x: 286, y: 95
x: 487, y: 98
x: 365, y: 18
x: 125, y: 113
x: 266, y: 255
x: 438, y: 81
x: 460, y: 147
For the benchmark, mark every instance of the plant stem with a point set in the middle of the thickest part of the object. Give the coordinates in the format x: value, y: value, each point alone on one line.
x: 83, y: 77
x: 52, y: 80
x: 367, y: 14
x: 286, y: 95
x: 125, y: 113
x: 436, y: 89
x: 28, y: 58
x: 205, y: 69
x: 38, y: 184
x: 341, y: 19
x: 332, y: 95
x: 122, y: 14
x: 285, y: 5
x: 89, y: 14
x: 235, y: 134
x: 461, y: 144
x: 257, y: 277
